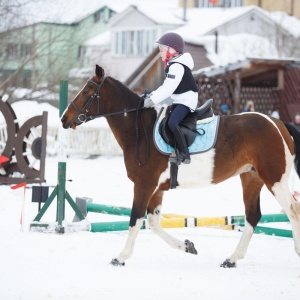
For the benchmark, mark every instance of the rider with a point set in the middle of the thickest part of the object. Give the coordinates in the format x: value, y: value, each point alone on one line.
x: 179, y: 84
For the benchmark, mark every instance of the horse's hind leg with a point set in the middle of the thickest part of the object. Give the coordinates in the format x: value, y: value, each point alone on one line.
x: 251, y: 190
x: 154, y: 213
x: 290, y: 205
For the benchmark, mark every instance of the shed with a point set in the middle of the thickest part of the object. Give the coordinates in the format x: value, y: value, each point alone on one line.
x: 270, y: 83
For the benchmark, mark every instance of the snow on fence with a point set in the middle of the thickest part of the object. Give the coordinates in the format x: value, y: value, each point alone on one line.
x: 92, y: 138
x: 83, y: 140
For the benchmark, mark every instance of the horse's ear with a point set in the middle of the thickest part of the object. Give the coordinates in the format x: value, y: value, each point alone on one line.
x: 99, y: 72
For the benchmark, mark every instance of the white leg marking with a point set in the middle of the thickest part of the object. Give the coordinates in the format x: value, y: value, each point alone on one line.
x: 243, y: 244
x: 154, y: 225
x: 128, y: 250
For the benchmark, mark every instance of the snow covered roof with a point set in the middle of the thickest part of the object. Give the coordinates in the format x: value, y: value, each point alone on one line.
x: 245, y: 64
x: 101, y: 39
x: 206, y: 21
x: 166, y: 14
x: 236, y: 47
x: 64, y: 11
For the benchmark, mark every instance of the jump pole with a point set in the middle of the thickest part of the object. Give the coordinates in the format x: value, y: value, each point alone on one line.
x: 181, y: 223
x: 178, y: 221
x: 88, y: 206
x: 60, y: 189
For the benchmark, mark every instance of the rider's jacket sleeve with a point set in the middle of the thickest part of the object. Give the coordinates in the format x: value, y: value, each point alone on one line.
x: 169, y: 85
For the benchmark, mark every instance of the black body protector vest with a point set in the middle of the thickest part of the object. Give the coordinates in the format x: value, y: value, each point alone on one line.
x: 187, y: 83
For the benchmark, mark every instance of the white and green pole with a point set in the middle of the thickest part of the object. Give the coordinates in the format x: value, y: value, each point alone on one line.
x: 60, y: 189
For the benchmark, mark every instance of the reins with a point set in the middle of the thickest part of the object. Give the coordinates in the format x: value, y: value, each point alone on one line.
x: 136, y: 148
x: 83, y: 117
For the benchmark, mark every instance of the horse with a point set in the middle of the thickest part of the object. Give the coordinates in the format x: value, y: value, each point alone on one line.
x: 260, y: 149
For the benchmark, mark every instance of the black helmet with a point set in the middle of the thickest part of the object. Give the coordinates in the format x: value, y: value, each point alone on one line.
x: 172, y: 40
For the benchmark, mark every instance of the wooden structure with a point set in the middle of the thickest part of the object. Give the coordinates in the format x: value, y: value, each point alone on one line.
x: 273, y: 84
x: 270, y: 83
x: 24, y: 148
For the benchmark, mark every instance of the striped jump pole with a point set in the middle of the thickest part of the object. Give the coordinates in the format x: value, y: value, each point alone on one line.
x: 215, y: 222
x: 179, y: 221
x: 88, y: 206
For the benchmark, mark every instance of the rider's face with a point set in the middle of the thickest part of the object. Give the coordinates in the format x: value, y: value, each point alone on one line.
x: 162, y: 53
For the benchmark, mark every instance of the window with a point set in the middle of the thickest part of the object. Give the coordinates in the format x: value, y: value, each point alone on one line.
x: 99, y: 16
x: 25, y: 50
x: 134, y: 42
x: 231, y: 3
x: 205, y: 3
x: 111, y: 13
x: 81, y: 52
x: 12, y: 51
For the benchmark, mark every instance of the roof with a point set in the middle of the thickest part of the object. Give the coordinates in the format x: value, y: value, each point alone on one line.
x: 164, y: 15
x: 247, y: 66
x: 62, y: 11
x: 206, y: 21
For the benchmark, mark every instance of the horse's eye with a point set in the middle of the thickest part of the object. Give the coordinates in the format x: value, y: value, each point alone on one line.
x: 84, y: 93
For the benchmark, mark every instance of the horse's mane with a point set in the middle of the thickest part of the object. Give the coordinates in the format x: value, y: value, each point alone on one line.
x: 124, y: 89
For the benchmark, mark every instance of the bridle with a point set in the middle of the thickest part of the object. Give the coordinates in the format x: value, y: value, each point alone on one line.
x: 82, y: 114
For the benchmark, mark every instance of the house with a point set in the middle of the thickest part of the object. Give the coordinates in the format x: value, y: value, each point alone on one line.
x: 44, y: 47
x: 291, y: 7
x: 42, y: 40
x: 234, y: 34
x: 131, y: 38
x: 228, y: 43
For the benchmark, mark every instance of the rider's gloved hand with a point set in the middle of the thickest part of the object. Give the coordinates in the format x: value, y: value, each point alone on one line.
x: 148, y: 102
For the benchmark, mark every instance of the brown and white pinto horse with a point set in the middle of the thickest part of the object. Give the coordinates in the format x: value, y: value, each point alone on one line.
x: 258, y: 148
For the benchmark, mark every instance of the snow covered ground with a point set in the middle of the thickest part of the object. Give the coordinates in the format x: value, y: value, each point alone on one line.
x: 36, y: 266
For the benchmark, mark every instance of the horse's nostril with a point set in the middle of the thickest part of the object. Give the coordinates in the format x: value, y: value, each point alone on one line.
x: 63, y: 119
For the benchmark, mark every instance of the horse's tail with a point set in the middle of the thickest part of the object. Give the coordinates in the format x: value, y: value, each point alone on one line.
x: 295, y: 133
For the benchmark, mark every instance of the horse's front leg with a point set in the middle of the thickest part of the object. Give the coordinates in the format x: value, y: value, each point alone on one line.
x: 140, y: 202
x: 154, y: 213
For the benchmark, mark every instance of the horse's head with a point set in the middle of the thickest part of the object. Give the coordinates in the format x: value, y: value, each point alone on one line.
x: 87, y: 102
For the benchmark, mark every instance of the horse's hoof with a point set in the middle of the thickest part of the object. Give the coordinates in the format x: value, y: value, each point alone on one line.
x: 189, y: 247
x: 228, y: 264
x: 115, y: 262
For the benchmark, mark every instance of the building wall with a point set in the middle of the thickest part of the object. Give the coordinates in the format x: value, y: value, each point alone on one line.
x: 292, y: 7
x: 55, y: 46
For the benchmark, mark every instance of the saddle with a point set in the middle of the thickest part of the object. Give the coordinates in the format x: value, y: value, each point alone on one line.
x: 188, y: 125
x: 191, y: 129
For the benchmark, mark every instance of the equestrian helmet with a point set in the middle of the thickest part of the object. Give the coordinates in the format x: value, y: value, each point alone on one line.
x: 172, y: 40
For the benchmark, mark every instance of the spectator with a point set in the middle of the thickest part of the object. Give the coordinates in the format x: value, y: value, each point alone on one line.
x: 249, y: 107
x: 275, y: 114
x: 225, y: 111
x: 296, y: 121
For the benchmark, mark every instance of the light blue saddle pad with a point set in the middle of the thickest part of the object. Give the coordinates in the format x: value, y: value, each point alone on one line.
x: 202, y: 143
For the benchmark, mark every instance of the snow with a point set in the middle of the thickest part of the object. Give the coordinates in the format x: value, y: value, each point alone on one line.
x: 233, y: 48
x: 66, y: 11
x: 99, y: 40
x: 76, y: 265
x: 26, y: 109
x: 73, y: 266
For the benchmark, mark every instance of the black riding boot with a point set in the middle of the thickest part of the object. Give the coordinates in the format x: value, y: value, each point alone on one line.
x: 183, y: 153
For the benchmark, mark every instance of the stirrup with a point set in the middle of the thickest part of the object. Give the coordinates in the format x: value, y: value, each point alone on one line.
x: 173, y: 159
x: 186, y: 160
